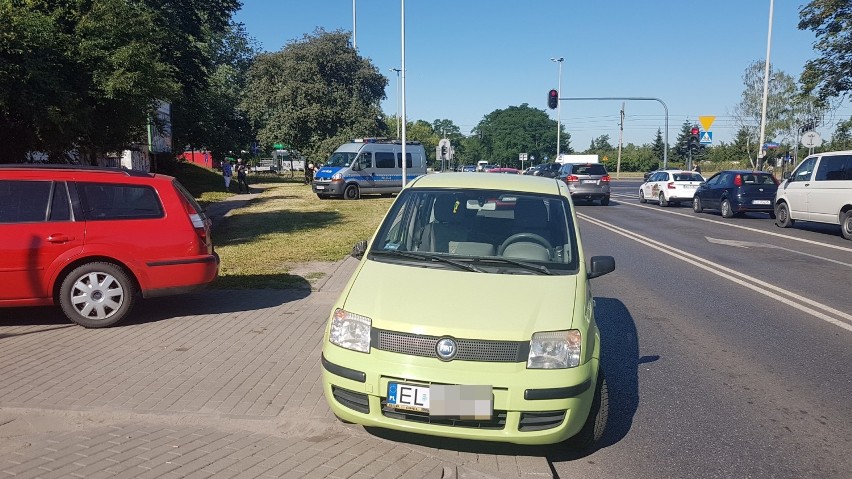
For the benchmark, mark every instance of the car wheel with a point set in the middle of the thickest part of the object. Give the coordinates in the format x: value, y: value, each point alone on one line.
x: 782, y: 216
x: 846, y: 225
x: 726, y: 209
x: 595, y: 425
x: 642, y: 197
x: 663, y: 201
x: 97, y: 295
x: 696, y: 205
x: 605, y: 201
x: 351, y: 192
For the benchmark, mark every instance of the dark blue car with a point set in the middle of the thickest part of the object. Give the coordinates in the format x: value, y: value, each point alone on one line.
x: 732, y: 192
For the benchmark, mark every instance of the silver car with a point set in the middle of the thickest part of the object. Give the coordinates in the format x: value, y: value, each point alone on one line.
x: 588, y: 181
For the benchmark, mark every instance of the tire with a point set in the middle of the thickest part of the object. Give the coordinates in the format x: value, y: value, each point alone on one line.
x: 642, y: 197
x: 605, y: 201
x: 725, y: 208
x: 351, y: 192
x: 846, y: 225
x: 106, y: 303
x: 696, y: 205
x: 663, y: 201
x: 595, y: 425
x: 782, y: 216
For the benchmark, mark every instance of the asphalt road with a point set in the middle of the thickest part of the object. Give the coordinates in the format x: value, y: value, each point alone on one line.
x: 725, y: 344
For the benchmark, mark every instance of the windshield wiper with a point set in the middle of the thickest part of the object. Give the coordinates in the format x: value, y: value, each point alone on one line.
x: 429, y: 257
x: 523, y: 264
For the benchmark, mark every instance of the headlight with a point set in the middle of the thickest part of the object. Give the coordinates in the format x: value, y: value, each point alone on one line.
x: 555, y: 350
x: 337, y: 177
x: 350, y: 331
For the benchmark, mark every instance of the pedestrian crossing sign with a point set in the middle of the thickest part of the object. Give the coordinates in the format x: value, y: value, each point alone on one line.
x: 706, y: 138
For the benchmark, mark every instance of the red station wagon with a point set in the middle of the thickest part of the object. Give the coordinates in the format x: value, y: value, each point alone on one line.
x: 93, y: 240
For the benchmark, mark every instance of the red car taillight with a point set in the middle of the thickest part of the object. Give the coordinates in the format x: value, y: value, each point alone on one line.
x: 738, y: 180
x: 670, y: 185
x: 572, y: 178
x: 201, y: 226
x: 605, y: 179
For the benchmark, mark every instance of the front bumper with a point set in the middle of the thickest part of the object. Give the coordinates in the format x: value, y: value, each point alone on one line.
x: 332, y: 188
x: 530, y: 406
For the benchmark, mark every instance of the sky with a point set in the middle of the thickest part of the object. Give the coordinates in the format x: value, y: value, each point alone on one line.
x: 466, y: 58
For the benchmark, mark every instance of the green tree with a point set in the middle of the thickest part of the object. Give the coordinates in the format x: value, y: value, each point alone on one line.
x: 600, y: 143
x: 314, y: 94
x: 842, y: 137
x: 504, y: 134
x: 658, y: 149
x: 830, y: 74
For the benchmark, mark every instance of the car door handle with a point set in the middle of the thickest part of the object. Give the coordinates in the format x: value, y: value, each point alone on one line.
x: 59, y: 238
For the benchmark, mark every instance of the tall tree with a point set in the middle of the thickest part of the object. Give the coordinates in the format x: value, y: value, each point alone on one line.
x: 830, y: 74
x: 315, y: 93
x: 506, y: 133
x: 658, y: 148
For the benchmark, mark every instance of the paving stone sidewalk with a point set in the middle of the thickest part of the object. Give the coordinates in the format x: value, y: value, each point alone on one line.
x: 210, y: 384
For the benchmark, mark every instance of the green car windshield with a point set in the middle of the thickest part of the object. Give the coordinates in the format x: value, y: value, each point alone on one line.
x: 489, y: 230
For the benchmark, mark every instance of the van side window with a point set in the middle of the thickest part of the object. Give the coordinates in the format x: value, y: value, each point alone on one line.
x: 408, y: 163
x: 384, y: 159
x: 833, y: 168
x: 804, y: 171
x: 365, y: 160
x: 24, y: 201
x: 110, y: 202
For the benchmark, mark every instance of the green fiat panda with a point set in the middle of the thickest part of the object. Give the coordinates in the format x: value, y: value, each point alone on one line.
x: 437, y: 332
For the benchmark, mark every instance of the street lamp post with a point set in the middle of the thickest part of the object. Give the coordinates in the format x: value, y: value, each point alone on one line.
x: 558, y: 107
x: 354, y: 46
x: 760, y: 154
x: 397, y: 70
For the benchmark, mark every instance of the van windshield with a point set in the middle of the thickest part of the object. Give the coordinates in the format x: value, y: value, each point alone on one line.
x: 341, y: 158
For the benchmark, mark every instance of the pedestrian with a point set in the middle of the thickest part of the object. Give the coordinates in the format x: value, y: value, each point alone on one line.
x: 227, y: 172
x: 697, y: 168
x: 309, y: 173
x: 242, y: 181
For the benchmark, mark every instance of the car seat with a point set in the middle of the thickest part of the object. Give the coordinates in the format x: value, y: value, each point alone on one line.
x: 449, y: 224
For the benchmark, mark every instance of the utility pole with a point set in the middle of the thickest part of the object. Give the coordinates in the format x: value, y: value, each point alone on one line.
x: 760, y: 150
x: 620, y: 137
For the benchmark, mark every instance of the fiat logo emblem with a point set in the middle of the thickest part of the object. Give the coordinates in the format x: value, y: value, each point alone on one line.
x: 446, y: 349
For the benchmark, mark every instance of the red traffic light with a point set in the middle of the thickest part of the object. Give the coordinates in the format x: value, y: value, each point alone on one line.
x: 553, y: 99
x: 693, y: 131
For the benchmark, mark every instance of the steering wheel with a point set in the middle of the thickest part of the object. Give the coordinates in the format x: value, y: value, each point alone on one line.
x: 524, y: 237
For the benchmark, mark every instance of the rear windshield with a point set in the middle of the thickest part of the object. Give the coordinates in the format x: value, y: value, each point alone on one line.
x: 687, y: 177
x: 758, y: 179
x: 589, y: 170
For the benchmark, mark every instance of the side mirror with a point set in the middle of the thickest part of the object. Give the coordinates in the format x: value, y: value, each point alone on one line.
x: 600, y: 265
x: 788, y: 175
x: 359, y: 249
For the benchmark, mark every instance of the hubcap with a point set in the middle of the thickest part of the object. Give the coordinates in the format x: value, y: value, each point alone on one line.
x: 97, y: 295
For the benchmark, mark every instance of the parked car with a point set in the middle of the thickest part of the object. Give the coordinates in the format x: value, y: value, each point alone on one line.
x: 469, y: 168
x: 670, y: 187
x: 502, y: 366
x: 588, y: 181
x: 733, y: 192
x: 93, y: 240
x: 820, y: 190
x: 513, y: 171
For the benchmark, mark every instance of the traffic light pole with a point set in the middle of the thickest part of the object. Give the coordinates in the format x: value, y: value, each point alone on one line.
x: 665, y: 108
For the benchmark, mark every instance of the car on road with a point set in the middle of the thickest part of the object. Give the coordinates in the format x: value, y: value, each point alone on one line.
x: 588, y: 181
x: 469, y: 168
x: 512, y: 171
x: 94, y: 240
x: 498, y: 366
x: 548, y: 170
x: 819, y: 190
x: 670, y: 187
x: 732, y: 192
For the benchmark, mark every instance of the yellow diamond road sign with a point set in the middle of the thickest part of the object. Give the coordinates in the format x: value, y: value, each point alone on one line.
x: 706, y: 121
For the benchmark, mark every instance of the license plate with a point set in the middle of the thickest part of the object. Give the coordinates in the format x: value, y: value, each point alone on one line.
x: 319, y: 187
x: 439, y: 400
x: 590, y: 182
x: 689, y: 186
x: 761, y: 202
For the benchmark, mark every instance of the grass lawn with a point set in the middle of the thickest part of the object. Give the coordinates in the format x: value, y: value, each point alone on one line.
x: 273, y: 240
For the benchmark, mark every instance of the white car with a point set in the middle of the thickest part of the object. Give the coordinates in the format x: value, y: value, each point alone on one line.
x: 670, y: 187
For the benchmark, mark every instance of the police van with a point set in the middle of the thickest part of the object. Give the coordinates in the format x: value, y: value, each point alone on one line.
x: 368, y: 166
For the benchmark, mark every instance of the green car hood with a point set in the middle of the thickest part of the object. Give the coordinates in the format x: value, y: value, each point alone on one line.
x: 463, y: 304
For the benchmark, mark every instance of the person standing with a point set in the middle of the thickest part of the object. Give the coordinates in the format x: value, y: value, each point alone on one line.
x: 227, y: 173
x: 242, y: 181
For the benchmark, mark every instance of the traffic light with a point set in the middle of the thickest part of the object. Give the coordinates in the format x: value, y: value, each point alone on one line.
x: 443, y: 152
x: 694, y: 142
x: 553, y: 99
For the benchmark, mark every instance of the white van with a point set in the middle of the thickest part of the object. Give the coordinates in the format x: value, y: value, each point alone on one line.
x: 819, y: 190
x: 368, y: 166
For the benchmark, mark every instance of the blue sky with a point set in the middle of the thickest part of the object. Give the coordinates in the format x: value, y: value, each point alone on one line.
x: 466, y: 58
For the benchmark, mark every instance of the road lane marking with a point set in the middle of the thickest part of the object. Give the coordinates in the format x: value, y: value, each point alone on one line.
x: 755, y: 230
x: 747, y: 281
x: 752, y: 244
